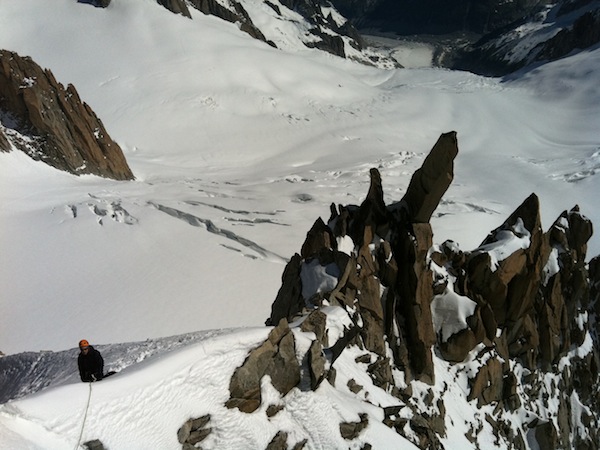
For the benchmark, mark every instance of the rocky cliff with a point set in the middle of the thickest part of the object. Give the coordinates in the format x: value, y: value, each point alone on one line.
x: 552, y: 33
x: 491, y: 37
x: 513, y: 321
x: 52, y: 124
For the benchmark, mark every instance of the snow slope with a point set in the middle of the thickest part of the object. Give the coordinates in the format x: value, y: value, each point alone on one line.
x: 237, y: 148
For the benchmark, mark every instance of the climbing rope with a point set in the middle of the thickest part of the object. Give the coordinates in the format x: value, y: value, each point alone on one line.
x: 84, y: 416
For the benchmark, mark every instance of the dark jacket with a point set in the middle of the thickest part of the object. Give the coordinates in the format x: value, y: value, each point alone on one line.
x: 91, y: 366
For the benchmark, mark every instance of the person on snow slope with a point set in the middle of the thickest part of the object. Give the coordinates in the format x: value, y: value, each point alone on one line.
x: 90, y: 362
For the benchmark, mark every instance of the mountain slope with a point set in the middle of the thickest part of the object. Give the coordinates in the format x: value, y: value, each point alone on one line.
x: 234, y: 159
x: 237, y: 147
x: 554, y: 32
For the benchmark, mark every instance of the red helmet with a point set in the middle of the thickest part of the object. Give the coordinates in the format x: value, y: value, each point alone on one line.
x: 83, y: 343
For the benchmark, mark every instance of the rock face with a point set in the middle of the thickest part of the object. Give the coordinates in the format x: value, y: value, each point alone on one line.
x: 276, y: 357
x: 553, y: 33
x: 50, y: 123
x: 193, y: 431
x: 491, y: 37
x: 584, y: 33
x: 320, y: 25
x: 513, y: 317
x: 94, y: 445
x: 398, y: 263
x: 176, y: 6
x: 406, y: 17
x: 232, y: 12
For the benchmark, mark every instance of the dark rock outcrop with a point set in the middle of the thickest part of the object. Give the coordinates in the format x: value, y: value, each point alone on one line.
x: 193, y: 431
x: 238, y: 15
x: 50, y: 123
x: 289, y: 302
x: 276, y: 357
x: 437, y: 17
x: 176, y: 6
x: 351, y: 430
x: 94, y: 444
x: 584, y: 33
x: 569, y: 26
x: 96, y: 3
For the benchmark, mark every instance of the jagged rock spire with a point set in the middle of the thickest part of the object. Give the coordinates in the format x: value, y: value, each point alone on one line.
x: 522, y: 300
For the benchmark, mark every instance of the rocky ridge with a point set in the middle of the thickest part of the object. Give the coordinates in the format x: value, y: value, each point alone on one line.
x: 490, y: 38
x: 514, y: 320
x: 437, y: 17
x: 318, y: 23
x: 552, y: 33
x: 51, y: 123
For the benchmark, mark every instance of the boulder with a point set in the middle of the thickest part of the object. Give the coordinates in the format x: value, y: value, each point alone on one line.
x: 279, y: 441
x: 488, y: 384
x: 509, y: 282
x: 351, y: 430
x: 95, y: 444
x: 316, y: 364
x: 372, y: 213
x: 414, y: 289
x: 318, y: 238
x: 316, y: 322
x: 193, y: 431
x: 276, y: 357
x: 546, y: 435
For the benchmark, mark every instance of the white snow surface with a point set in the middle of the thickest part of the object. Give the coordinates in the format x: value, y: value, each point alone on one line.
x: 237, y: 149
x: 450, y: 312
x: 506, y: 243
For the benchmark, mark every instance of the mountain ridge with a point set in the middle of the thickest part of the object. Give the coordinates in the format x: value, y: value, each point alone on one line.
x: 394, y: 337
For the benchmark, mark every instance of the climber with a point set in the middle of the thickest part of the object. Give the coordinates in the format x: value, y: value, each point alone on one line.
x: 90, y: 362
